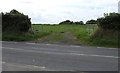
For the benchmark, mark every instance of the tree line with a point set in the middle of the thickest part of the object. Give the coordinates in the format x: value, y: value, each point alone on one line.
x: 68, y: 22
x: 109, y: 21
x: 15, y: 21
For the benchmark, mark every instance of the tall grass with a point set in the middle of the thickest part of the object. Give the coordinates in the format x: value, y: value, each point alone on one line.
x: 107, y: 38
x: 22, y: 37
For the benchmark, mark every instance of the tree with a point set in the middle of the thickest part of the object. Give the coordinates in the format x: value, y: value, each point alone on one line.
x: 81, y: 23
x: 66, y: 22
x: 14, y: 12
x: 78, y: 23
x: 112, y: 21
x: 91, y: 21
x: 15, y: 22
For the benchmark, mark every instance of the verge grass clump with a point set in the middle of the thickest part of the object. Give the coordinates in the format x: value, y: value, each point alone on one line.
x: 105, y: 37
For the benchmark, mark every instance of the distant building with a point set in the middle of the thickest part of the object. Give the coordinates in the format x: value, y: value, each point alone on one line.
x: 119, y: 7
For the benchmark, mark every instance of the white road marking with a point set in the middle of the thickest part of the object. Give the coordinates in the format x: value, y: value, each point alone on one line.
x: 65, y: 45
x: 108, y: 48
x: 58, y: 53
x: 8, y: 48
x: 39, y: 67
x: 52, y: 44
x: 112, y: 48
x: 100, y: 47
x: 95, y: 55
x: 31, y: 43
x: 75, y: 46
x: 10, y: 42
x: 25, y: 66
x: 48, y: 44
x: 3, y: 62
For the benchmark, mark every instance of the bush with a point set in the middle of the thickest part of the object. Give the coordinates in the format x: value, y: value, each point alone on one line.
x: 112, y: 21
x: 15, y: 22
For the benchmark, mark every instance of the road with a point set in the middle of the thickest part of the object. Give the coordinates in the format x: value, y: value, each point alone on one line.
x: 26, y: 56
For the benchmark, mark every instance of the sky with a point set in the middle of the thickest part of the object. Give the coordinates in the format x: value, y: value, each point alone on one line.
x: 56, y: 11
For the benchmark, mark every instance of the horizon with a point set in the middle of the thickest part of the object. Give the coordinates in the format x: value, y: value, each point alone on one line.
x: 56, y: 11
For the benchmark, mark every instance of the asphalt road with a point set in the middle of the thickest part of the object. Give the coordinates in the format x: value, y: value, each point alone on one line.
x: 25, y: 56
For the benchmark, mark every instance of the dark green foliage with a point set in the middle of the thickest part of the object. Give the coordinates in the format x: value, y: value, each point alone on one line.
x: 15, y: 22
x: 91, y: 22
x: 111, y: 21
x: 79, y: 23
x: 68, y: 22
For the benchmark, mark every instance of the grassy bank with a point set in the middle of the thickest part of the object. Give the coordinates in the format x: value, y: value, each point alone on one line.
x: 106, y: 38
x: 22, y: 37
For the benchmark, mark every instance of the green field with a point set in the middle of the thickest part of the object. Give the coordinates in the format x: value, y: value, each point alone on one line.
x: 82, y: 33
x: 75, y: 29
x: 66, y: 34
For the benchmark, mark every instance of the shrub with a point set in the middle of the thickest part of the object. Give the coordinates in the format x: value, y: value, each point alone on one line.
x: 15, y: 22
x: 112, y: 21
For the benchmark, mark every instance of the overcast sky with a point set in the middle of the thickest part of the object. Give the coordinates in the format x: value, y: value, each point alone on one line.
x: 55, y: 11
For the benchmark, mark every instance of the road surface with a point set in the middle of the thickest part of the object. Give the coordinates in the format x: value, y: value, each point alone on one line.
x: 26, y: 56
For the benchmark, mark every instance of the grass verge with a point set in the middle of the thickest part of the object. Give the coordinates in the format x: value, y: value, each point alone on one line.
x: 22, y: 37
x: 106, y: 38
